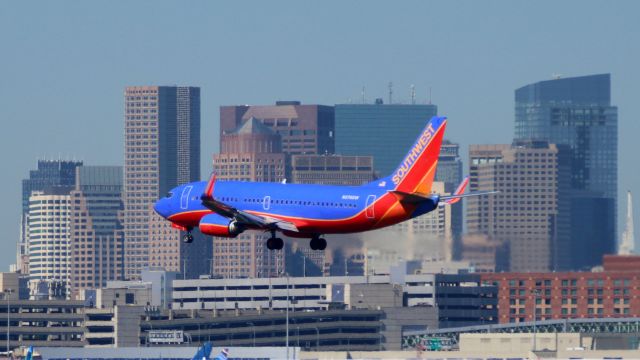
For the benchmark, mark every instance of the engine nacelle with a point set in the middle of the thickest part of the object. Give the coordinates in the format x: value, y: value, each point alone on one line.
x: 216, y: 225
x: 235, y: 229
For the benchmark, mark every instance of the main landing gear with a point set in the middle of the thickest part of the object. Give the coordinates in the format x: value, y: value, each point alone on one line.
x: 187, y: 238
x: 318, y: 243
x: 274, y: 243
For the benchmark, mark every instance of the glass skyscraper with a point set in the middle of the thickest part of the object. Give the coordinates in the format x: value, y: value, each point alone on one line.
x: 385, y: 132
x: 577, y: 112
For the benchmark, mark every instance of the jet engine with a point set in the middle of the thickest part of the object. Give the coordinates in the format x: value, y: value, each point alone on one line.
x: 216, y: 225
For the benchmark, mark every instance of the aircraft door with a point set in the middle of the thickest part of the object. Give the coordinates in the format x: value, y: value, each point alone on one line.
x: 370, y: 209
x: 184, y: 199
x: 266, y: 202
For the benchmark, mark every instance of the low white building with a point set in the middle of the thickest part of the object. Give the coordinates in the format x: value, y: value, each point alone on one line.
x: 301, y: 293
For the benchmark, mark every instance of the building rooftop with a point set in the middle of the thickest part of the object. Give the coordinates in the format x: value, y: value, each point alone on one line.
x: 252, y: 126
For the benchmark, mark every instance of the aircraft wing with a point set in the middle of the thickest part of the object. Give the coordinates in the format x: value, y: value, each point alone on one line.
x: 242, y: 217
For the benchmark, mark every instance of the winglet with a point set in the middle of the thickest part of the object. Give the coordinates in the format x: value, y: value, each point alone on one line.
x: 459, y: 191
x: 208, y: 191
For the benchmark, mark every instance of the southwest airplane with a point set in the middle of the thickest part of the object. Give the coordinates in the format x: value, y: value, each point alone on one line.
x: 227, y: 208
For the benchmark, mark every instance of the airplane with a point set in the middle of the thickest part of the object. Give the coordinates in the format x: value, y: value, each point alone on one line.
x: 228, y: 208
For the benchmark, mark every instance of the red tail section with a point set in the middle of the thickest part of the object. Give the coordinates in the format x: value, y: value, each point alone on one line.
x: 418, y: 168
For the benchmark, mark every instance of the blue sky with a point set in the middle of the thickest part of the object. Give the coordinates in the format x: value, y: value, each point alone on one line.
x: 64, y: 65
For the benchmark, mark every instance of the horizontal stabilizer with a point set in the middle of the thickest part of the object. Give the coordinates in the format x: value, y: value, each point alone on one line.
x: 446, y: 199
x: 459, y: 191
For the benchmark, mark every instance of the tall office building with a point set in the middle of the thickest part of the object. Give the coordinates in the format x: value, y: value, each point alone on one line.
x: 162, y: 150
x: 385, y: 132
x: 531, y: 213
x: 577, y: 112
x: 48, y: 173
x: 304, y: 129
x: 48, y: 239
x: 96, y: 234
x: 449, y: 171
x: 332, y: 169
x: 250, y: 152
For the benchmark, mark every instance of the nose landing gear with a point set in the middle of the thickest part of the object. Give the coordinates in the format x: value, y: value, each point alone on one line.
x: 187, y: 238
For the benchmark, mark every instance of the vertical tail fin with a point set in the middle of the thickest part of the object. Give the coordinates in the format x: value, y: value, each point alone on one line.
x: 418, y: 168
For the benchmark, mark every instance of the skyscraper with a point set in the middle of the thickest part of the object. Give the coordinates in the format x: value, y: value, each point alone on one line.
x: 96, y: 234
x: 530, y: 214
x: 385, y: 132
x: 304, y: 129
x: 162, y: 150
x: 250, y: 152
x: 48, y: 239
x: 49, y: 173
x: 576, y: 112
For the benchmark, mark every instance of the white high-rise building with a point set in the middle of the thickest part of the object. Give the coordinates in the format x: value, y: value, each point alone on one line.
x: 48, y: 239
x: 628, y: 244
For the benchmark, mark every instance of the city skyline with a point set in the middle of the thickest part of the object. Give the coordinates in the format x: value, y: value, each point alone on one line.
x: 458, y: 87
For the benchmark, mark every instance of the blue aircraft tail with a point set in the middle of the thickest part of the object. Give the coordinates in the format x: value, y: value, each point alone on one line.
x: 203, y: 352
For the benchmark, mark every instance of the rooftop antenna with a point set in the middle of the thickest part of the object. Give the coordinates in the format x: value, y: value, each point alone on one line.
x: 390, y: 92
x: 429, y: 95
x: 363, y: 99
x: 413, y: 94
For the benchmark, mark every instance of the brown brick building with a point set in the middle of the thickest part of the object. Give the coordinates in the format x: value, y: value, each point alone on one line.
x: 609, y: 293
x: 305, y: 129
x: 250, y: 152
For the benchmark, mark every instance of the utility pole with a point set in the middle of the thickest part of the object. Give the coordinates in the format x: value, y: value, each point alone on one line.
x: 536, y: 294
x: 287, y: 318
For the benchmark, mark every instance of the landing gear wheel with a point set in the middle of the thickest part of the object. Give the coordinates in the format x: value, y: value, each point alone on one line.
x: 270, y: 244
x: 279, y: 244
x: 318, y: 244
x: 187, y: 238
x: 275, y: 243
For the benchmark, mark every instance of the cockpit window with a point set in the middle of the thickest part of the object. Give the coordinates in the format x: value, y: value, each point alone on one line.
x: 169, y: 194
